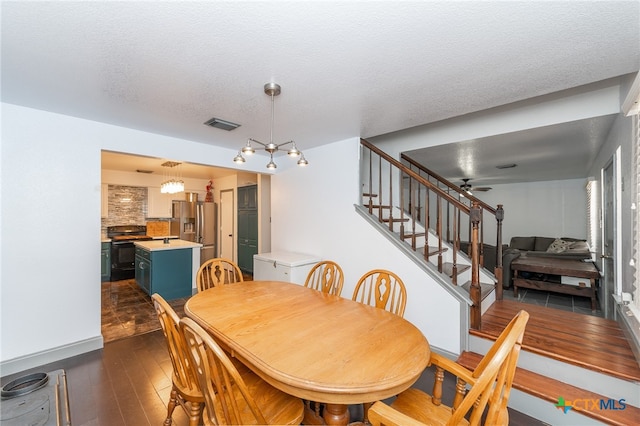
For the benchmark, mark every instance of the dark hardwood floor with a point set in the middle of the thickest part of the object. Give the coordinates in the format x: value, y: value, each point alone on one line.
x: 126, y: 383
x: 129, y: 381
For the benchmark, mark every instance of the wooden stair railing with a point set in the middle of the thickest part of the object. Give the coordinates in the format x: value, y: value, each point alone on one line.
x: 497, y: 213
x: 420, y: 201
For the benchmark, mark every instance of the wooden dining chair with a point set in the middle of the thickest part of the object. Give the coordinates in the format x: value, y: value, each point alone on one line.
x: 232, y: 398
x: 488, y: 385
x: 382, y: 289
x: 217, y: 271
x: 327, y: 277
x: 385, y: 290
x: 185, y: 389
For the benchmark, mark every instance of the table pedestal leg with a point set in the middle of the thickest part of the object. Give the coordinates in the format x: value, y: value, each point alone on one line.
x: 336, y: 414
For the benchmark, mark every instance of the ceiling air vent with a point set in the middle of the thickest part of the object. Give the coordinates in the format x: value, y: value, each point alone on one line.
x: 221, y: 124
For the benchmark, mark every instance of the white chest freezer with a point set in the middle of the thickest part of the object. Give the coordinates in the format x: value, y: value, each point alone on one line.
x: 283, y: 266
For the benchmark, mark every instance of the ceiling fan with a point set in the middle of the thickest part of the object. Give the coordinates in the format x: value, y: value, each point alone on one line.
x: 467, y: 187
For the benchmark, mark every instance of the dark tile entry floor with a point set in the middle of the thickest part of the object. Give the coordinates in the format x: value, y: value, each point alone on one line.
x: 565, y: 302
x: 128, y: 311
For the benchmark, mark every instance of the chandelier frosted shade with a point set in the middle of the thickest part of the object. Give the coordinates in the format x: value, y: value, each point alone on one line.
x: 172, y: 187
x: 273, y: 90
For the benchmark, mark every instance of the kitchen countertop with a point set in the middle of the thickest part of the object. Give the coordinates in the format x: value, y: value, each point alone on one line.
x: 156, y: 245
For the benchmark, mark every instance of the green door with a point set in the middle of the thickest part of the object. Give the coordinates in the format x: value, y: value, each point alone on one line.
x: 247, y: 227
x: 105, y: 261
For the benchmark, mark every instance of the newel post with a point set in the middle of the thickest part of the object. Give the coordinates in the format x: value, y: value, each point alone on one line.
x: 475, y: 215
x: 498, y: 270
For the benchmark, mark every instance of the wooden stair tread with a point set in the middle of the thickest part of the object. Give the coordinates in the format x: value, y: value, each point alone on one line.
x: 395, y: 219
x: 377, y: 206
x: 417, y: 234
x: 549, y: 389
x: 435, y: 250
x: 485, y: 289
x: 447, y: 268
x: 570, y: 337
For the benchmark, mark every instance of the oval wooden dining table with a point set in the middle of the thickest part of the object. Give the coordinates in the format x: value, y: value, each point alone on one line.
x: 312, y: 345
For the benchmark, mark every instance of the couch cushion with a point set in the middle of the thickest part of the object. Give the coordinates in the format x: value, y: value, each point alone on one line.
x: 542, y: 243
x: 522, y: 243
x: 559, y: 246
x: 573, y: 239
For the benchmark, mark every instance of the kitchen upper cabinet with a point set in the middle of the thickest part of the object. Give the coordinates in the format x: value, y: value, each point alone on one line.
x: 104, y: 204
x: 158, y: 204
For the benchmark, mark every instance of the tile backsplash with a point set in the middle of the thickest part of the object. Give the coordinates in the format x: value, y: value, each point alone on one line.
x: 127, y: 206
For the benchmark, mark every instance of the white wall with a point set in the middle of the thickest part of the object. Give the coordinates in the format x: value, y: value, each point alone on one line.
x: 313, y: 212
x: 547, y: 209
x: 50, y: 229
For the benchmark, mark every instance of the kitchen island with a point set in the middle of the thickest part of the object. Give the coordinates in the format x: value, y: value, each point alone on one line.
x: 168, y: 269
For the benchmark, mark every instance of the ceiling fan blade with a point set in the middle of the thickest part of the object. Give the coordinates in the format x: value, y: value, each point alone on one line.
x: 482, y: 189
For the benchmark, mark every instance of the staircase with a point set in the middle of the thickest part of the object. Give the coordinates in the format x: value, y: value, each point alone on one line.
x: 427, y: 218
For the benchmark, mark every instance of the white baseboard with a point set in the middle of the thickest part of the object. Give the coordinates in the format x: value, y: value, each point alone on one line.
x: 26, y: 362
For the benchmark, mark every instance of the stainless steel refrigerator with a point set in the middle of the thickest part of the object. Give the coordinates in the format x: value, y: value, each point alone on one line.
x: 196, y: 221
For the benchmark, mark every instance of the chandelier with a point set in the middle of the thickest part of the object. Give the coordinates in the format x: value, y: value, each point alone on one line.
x: 173, y: 183
x: 273, y: 90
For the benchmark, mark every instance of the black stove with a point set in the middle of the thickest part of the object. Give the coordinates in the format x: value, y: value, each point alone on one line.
x: 123, y: 251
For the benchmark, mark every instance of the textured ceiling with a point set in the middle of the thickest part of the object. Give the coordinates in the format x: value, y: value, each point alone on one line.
x: 347, y: 68
x: 546, y: 153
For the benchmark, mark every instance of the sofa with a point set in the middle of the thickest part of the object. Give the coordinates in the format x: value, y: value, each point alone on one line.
x: 559, y: 248
x: 489, y: 252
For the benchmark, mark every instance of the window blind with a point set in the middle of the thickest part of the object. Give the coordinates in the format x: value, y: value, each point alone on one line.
x: 636, y: 212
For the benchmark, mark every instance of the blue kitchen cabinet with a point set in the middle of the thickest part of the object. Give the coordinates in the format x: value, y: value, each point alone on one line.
x: 105, y: 261
x: 166, y: 272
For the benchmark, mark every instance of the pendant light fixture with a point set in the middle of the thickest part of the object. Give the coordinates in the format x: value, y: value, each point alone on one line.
x: 173, y: 182
x: 273, y: 90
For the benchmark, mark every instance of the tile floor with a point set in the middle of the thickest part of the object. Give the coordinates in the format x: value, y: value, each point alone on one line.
x: 128, y: 311
x: 565, y: 302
